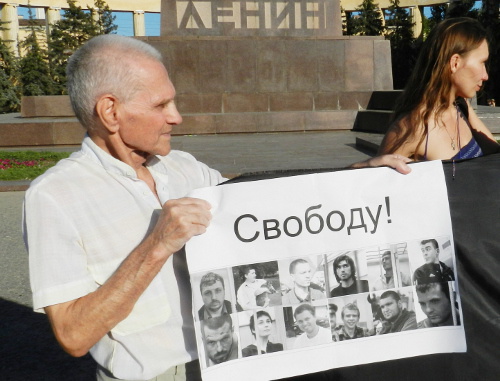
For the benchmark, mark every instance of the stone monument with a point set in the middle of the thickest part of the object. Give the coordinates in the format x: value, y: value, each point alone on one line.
x: 268, y: 65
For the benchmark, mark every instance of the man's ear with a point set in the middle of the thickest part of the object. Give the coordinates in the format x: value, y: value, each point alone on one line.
x: 455, y: 62
x: 107, y: 112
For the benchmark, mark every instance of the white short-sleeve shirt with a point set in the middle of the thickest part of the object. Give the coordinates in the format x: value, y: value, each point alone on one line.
x: 324, y: 336
x: 81, y: 220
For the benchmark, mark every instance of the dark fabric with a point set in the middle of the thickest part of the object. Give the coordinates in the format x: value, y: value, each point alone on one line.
x: 251, y: 350
x: 227, y: 305
x: 433, y: 272
x: 343, y: 335
x: 474, y: 197
x: 358, y: 287
x: 404, y: 322
x: 469, y: 151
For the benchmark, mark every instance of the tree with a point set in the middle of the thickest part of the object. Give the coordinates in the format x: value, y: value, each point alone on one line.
x: 399, y: 30
x: 105, y: 18
x: 438, y: 13
x: 9, y: 92
x: 369, y: 21
x: 462, y: 8
x: 73, y: 30
x: 34, y: 72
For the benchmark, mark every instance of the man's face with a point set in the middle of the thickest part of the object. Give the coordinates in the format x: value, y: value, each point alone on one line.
x: 390, y: 308
x: 306, y: 322
x: 333, y: 319
x: 386, y: 262
x: 344, y: 271
x: 213, y: 296
x: 302, y: 275
x: 430, y: 253
x: 219, y: 342
x: 146, y: 119
x: 250, y: 276
x: 435, y: 305
x: 351, y: 318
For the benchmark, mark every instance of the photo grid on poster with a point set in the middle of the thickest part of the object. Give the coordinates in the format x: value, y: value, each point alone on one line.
x: 260, y: 309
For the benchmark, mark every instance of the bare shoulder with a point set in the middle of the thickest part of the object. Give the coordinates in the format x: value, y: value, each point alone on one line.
x: 401, y: 138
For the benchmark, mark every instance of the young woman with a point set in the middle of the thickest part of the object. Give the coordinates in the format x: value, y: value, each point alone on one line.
x: 433, y: 119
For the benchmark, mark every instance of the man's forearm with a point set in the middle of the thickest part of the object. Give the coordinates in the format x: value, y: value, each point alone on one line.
x: 81, y: 323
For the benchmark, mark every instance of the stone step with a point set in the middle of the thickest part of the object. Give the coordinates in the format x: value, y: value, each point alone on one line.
x: 375, y: 121
x: 383, y: 100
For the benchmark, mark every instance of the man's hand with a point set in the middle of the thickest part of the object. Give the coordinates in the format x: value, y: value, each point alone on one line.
x: 398, y: 162
x: 180, y: 220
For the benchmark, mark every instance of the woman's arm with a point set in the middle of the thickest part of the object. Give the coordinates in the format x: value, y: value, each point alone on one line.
x: 482, y: 134
x: 406, y: 148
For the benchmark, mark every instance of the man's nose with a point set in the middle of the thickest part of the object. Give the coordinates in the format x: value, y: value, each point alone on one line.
x: 173, y: 116
x: 219, y: 346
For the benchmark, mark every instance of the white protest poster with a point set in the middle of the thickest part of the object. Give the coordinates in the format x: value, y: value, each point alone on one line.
x: 307, y: 273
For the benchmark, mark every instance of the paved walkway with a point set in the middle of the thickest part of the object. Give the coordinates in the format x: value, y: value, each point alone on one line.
x: 234, y: 154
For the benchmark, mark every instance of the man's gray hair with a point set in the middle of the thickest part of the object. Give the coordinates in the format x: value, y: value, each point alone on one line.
x: 103, y: 65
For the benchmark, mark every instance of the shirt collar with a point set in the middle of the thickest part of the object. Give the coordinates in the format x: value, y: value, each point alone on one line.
x: 111, y: 164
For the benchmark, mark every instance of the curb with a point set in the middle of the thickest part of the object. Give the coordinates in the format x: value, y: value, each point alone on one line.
x: 14, y: 186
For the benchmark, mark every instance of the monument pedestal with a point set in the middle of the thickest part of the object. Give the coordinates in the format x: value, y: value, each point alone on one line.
x: 267, y: 65
x: 262, y: 84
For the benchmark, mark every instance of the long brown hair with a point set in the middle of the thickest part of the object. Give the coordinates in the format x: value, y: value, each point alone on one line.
x: 429, y: 86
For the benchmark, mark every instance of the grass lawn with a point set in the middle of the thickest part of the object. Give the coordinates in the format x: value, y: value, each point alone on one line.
x: 26, y: 165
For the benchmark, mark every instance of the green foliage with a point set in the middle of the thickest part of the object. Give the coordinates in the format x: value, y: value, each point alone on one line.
x: 9, y: 92
x: 42, y: 72
x: 462, y: 8
x: 399, y: 31
x: 438, y: 13
x: 34, y: 72
x: 368, y: 22
x: 27, y: 165
x: 73, y: 30
x: 105, y: 19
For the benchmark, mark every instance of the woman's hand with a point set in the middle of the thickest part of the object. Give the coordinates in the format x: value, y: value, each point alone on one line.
x: 395, y: 161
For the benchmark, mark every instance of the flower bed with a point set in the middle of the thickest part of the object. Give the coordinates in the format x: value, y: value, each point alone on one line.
x: 27, y: 165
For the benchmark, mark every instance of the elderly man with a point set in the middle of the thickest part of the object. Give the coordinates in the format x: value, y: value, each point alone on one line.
x: 102, y: 227
x: 221, y: 343
x: 213, y: 293
x: 433, y: 270
x: 396, y: 318
x: 301, y: 291
x: 435, y: 301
